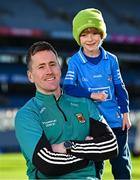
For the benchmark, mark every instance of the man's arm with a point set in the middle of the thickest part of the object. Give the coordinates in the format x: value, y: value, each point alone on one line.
x: 54, y: 164
x: 102, y: 146
x: 38, y: 150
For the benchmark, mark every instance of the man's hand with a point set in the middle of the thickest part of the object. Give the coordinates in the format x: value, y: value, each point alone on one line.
x: 89, y: 138
x: 100, y: 96
x: 126, y: 121
x: 59, y: 148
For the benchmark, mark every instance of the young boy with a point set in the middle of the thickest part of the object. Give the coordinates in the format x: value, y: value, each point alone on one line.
x: 94, y: 73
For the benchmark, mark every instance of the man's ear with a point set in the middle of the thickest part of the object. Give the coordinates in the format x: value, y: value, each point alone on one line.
x: 30, y: 77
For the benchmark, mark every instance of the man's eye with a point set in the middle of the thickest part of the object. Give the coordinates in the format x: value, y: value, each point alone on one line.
x: 40, y: 67
x: 52, y: 64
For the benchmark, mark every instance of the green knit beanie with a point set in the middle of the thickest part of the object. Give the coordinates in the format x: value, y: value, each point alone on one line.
x: 88, y: 18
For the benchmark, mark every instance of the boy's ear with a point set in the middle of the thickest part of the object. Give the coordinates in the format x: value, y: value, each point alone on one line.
x: 30, y: 77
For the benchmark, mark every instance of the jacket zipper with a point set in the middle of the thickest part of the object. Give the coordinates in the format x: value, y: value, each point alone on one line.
x: 61, y: 109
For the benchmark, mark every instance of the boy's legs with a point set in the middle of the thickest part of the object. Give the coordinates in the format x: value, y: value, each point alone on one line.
x: 121, y: 165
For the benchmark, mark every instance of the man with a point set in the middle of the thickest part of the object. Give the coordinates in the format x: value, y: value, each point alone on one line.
x: 60, y: 136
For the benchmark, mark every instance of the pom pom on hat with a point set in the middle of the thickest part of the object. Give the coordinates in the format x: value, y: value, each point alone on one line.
x: 88, y: 18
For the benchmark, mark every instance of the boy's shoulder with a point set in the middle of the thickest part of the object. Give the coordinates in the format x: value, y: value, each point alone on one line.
x: 74, y: 58
x: 110, y: 55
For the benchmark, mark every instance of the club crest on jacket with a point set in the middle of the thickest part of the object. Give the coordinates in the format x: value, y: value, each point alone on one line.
x: 80, y: 117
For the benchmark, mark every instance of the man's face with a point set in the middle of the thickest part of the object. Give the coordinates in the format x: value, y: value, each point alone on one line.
x: 45, y: 72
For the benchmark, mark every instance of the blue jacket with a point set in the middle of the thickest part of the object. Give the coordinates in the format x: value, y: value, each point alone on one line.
x: 104, y: 76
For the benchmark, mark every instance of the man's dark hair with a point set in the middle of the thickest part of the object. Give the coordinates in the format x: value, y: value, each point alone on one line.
x: 36, y: 47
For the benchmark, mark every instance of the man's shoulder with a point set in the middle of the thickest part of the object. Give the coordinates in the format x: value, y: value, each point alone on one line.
x: 26, y: 116
x: 27, y: 107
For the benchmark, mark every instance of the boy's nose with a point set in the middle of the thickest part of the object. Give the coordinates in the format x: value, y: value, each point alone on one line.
x: 90, y: 36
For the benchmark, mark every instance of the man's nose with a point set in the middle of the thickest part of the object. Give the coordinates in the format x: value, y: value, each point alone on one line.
x: 48, y: 70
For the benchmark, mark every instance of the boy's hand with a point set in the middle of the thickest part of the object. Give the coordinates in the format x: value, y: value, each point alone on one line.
x: 100, y: 96
x: 126, y: 121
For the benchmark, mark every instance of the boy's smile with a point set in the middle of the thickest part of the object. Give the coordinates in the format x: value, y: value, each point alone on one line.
x: 90, y: 40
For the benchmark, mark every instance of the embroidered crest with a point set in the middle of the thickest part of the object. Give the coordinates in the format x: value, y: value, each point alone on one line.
x: 80, y: 117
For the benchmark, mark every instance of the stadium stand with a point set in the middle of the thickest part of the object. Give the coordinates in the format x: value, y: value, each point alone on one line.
x: 51, y: 16
x: 23, y: 22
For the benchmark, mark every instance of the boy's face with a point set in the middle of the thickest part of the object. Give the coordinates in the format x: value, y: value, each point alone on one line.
x: 90, y: 40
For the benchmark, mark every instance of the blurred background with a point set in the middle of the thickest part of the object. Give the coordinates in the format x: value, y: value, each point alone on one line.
x: 28, y: 21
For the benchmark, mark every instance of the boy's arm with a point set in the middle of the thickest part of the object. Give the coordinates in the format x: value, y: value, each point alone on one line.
x: 119, y: 87
x: 76, y: 91
x: 72, y: 88
x: 70, y: 85
x: 121, y: 94
x: 122, y: 97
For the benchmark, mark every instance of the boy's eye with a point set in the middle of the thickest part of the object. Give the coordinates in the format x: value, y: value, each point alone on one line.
x: 95, y: 33
x: 84, y: 34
